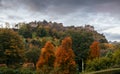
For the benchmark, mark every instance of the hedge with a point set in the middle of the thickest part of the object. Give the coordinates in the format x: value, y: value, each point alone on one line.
x: 5, y: 70
x: 107, y: 71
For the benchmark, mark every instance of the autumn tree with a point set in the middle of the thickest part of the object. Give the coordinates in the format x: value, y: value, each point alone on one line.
x: 46, y: 59
x: 65, y: 58
x: 11, y: 47
x: 94, y: 50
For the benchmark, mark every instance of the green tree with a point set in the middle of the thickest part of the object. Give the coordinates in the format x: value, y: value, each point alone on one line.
x: 32, y: 55
x: 81, y: 42
x: 116, y: 57
x: 98, y: 64
x: 41, y: 32
x: 36, y: 42
x: 26, y: 31
x: 11, y: 47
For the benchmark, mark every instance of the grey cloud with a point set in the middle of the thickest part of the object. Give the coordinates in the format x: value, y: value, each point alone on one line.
x: 69, y: 6
x: 103, y: 29
x: 0, y: 2
x: 14, y: 17
x: 51, y: 6
x: 63, y: 6
x: 10, y: 4
x: 112, y: 36
x: 1, y: 21
x: 75, y: 12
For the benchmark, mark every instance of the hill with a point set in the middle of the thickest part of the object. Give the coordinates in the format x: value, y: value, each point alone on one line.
x: 55, y: 29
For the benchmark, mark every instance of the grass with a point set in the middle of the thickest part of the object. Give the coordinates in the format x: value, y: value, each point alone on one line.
x: 107, y: 71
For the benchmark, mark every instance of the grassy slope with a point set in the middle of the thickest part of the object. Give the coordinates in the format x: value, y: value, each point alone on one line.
x: 107, y: 71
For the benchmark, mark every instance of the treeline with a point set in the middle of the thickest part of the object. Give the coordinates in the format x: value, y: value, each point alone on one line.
x: 70, y: 49
x: 38, y: 33
x: 53, y: 29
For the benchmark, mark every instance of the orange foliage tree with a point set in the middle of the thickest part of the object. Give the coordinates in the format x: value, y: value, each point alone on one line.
x: 46, y: 60
x: 94, y: 50
x: 64, y: 62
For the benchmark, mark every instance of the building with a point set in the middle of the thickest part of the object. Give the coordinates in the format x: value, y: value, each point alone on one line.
x: 89, y: 27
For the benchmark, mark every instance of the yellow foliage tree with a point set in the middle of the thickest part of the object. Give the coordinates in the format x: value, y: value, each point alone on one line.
x: 46, y: 59
x: 11, y: 47
x: 109, y: 46
x: 65, y: 58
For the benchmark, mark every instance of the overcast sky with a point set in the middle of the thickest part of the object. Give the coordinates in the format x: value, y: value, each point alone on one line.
x: 104, y: 15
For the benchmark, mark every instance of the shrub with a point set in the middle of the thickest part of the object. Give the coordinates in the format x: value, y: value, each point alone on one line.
x: 5, y: 70
x: 46, y: 70
x: 98, y: 64
x: 29, y: 66
x: 3, y: 65
x: 27, y: 71
x: 107, y: 71
x: 116, y: 57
